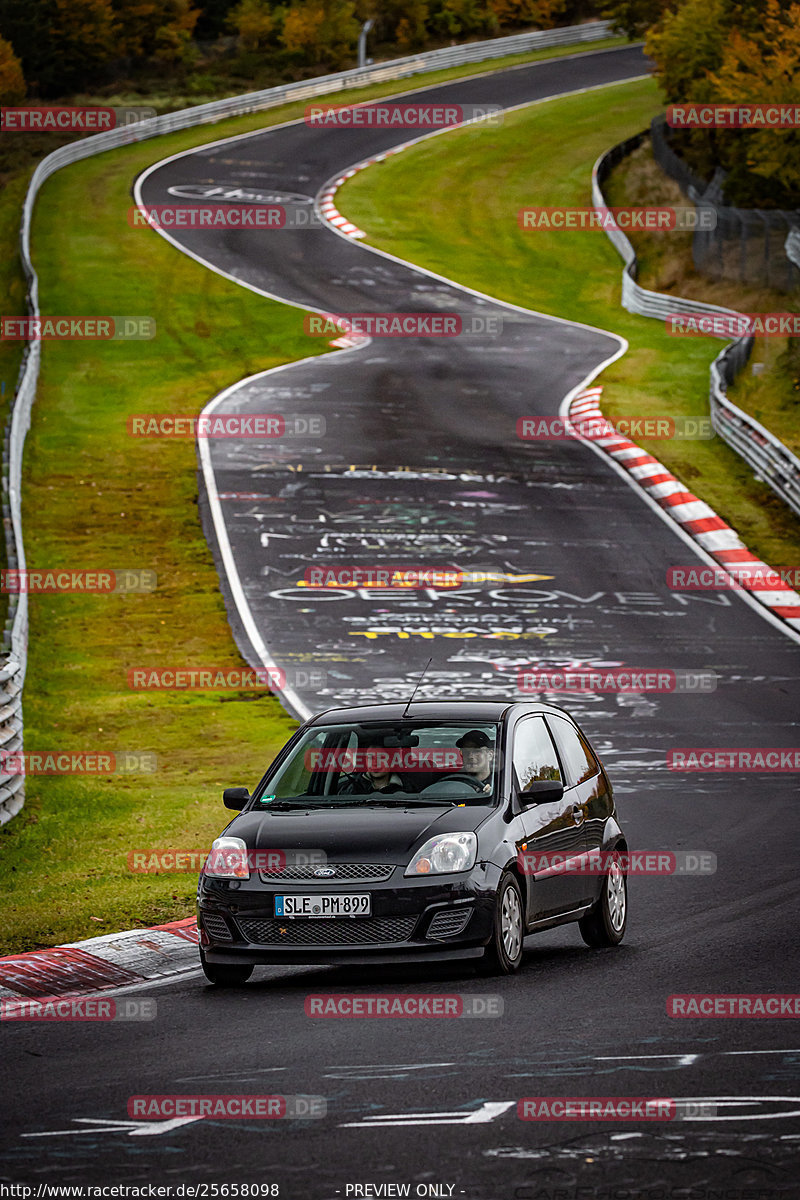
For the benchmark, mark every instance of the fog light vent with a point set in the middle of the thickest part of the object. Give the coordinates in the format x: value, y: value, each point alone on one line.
x: 217, y: 927
x: 449, y: 924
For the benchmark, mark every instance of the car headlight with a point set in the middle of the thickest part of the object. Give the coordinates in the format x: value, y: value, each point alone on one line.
x: 227, y: 859
x: 444, y: 855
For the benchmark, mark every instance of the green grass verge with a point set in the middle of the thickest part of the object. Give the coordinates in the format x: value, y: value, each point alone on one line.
x: 769, y: 387
x: 95, y: 497
x: 471, y: 183
x: 772, y: 395
x: 12, y: 288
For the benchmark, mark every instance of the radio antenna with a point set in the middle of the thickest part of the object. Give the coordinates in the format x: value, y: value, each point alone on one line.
x: 416, y: 688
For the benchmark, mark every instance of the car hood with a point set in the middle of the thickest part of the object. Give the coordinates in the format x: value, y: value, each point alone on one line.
x: 354, y: 834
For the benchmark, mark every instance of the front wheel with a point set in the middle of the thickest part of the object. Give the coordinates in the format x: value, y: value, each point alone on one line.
x: 605, y: 923
x: 503, y: 955
x: 224, y: 974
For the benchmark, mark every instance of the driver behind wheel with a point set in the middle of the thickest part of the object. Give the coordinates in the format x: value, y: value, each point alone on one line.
x: 477, y: 753
x: 371, y: 781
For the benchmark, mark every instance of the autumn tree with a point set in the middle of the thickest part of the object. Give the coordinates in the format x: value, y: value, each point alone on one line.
x: 157, y: 31
x: 214, y: 18
x: 686, y: 46
x: 633, y: 17
x: 323, y: 30
x: 401, y: 23
x: 253, y: 22
x: 63, y: 45
x: 763, y: 67
x: 735, y: 52
x: 541, y: 13
x: 12, y: 80
x: 461, y: 18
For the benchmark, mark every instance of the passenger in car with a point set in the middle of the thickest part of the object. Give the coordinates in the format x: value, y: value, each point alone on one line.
x: 371, y: 781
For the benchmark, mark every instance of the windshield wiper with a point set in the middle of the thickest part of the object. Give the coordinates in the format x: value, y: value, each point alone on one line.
x: 353, y: 801
x: 409, y: 801
x: 297, y: 802
x: 343, y: 801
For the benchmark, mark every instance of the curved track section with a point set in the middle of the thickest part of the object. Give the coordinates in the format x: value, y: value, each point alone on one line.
x: 420, y: 464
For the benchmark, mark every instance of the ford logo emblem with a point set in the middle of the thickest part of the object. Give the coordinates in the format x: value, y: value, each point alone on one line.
x: 324, y: 872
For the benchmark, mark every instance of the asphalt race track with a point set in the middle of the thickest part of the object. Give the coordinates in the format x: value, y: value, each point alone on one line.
x: 430, y: 422
x: 438, y: 477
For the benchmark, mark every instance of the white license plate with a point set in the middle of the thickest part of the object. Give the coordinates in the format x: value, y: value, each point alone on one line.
x: 345, y: 905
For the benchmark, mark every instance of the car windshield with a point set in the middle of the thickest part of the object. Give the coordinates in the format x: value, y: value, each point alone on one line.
x: 389, y: 763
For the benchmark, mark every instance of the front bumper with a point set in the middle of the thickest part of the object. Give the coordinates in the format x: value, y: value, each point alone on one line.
x: 448, y: 917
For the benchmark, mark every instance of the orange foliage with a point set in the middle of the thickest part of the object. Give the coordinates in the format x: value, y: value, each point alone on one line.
x: 12, y: 81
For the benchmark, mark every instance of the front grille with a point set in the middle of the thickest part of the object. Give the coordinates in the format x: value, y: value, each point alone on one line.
x: 450, y: 924
x: 354, y: 931
x: 362, y: 872
x: 217, y: 927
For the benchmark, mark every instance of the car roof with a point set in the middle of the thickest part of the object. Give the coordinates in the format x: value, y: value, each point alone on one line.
x: 437, y: 710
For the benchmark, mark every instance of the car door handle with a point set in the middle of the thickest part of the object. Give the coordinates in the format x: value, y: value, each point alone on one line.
x: 577, y: 814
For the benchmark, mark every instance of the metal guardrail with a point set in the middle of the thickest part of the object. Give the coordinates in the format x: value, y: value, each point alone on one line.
x: 792, y: 247
x: 746, y: 245
x: 773, y: 462
x: 15, y: 637
x: 637, y: 299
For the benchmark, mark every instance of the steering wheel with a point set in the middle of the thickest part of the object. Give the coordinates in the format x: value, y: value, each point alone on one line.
x: 459, y: 777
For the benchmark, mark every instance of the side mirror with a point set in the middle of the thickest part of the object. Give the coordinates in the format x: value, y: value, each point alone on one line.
x: 542, y: 791
x: 235, y: 798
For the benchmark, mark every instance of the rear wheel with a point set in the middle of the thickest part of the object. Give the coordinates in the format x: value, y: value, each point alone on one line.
x: 605, y: 923
x: 224, y: 974
x: 503, y: 955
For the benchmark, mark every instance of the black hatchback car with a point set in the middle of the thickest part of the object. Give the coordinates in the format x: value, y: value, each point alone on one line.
x: 435, y: 830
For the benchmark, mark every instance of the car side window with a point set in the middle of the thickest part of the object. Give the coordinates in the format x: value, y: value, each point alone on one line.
x: 307, y: 775
x: 579, y: 762
x: 534, y: 756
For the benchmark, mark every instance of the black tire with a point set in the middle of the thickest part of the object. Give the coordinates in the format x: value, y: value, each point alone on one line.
x: 223, y: 974
x: 503, y: 955
x: 606, y: 922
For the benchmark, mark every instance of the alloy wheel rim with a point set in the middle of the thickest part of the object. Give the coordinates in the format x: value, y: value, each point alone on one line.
x: 511, y: 923
x: 616, y: 897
